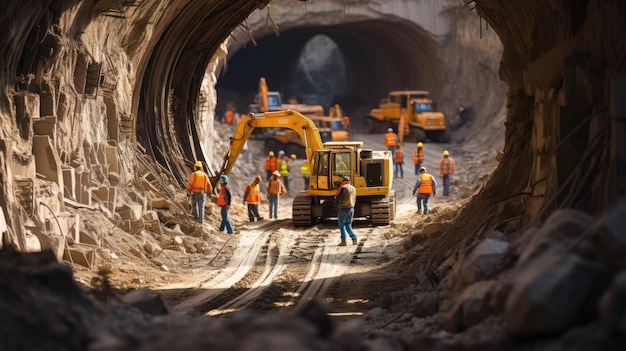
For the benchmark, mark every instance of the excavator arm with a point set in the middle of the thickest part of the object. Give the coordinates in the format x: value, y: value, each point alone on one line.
x: 290, y: 119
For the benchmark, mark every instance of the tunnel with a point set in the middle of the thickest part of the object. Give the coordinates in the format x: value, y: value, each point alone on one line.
x: 101, y: 111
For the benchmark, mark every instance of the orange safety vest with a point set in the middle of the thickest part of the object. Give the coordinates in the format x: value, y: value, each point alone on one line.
x: 221, y: 201
x: 418, y: 155
x: 271, y: 164
x: 199, y: 182
x: 254, y: 194
x: 229, y: 117
x: 446, y: 165
x: 426, y: 185
x: 390, y: 139
x: 398, y: 157
x: 275, y: 187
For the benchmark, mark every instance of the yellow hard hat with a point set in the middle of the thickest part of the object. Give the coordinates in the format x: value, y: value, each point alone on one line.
x: 271, y: 153
x: 293, y: 156
x: 420, y: 144
x: 198, y: 164
x: 446, y: 153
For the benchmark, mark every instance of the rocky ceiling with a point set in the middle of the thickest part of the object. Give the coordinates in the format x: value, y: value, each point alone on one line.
x: 85, y: 80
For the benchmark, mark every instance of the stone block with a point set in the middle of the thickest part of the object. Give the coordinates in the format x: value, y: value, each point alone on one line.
x: 131, y: 212
x: 45, y: 126
x: 69, y: 180
x: 111, y: 158
x: 146, y: 301
x: 608, y: 239
x: 47, y: 161
x: 553, y: 292
x: 83, y: 256
x: 483, y: 262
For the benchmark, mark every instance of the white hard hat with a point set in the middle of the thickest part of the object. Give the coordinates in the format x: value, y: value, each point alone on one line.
x: 390, y: 129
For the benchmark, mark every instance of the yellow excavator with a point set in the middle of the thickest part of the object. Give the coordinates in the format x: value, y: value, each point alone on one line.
x: 370, y: 171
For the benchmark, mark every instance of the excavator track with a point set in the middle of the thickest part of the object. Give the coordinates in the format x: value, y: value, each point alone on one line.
x: 301, y: 210
x: 384, y: 209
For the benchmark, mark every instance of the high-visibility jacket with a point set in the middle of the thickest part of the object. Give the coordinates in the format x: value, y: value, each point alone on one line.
x: 283, y: 168
x: 446, y: 166
x: 425, y: 184
x: 418, y: 155
x: 224, y: 197
x: 275, y: 187
x: 304, y: 169
x: 271, y: 164
x: 391, y: 139
x: 252, y: 193
x: 199, y: 182
x: 398, y: 156
x: 229, y: 117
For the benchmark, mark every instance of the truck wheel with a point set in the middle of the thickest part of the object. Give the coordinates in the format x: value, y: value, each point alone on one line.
x: 421, y: 135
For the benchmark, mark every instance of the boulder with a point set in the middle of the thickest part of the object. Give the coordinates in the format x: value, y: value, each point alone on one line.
x: 552, y: 293
x: 426, y: 304
x: 608, y: 238
x: 482, y: 263
x: 469, y: 308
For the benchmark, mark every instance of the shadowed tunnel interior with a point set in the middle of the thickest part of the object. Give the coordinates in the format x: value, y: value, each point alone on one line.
x: 376, y: 57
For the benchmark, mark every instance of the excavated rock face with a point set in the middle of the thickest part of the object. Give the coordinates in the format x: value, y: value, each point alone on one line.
x: 86, y: 83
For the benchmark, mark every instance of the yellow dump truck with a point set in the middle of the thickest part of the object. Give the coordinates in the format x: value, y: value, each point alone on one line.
x: 423, y: 120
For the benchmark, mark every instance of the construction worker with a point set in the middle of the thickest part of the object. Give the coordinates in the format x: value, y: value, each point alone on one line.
x: 304, y: 169
x: 275, y: 188
x: 283, y: 168
x: 252, y: 197
x: 391, y: 140
x: 418, y: 157
x: 270, y: 165
x: 424, y: 186
x: 345, y: 199
x: 446, y: 168
x: 223, y: 201
x: 398, y: 160
x: 198, y: 186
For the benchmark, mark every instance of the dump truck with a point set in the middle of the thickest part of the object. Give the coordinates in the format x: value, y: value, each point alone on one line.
x: 370, y: 171
x: 424, y: 122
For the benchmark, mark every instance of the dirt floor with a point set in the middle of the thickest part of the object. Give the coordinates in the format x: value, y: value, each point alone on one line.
x: 270, y: 266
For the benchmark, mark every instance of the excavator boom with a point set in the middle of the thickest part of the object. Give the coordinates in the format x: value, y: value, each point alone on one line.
x: 290, y: 119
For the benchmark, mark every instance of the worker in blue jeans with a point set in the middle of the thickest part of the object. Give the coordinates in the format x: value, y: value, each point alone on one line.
x: 345, y: 199
x: 223, y: 201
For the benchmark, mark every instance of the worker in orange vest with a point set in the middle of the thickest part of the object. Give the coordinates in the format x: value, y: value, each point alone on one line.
x: 418, y: 157
x: 198, y: 186
x: 398, y: 160
x: 391, y: 140
x: 424, y: 186
x: 223, y: 201
x: 270, y: 165
x: 252, y: 197
x: 275, y: 188
x: 446, y: 168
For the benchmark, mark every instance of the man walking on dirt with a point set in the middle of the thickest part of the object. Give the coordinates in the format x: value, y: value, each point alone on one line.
x: 424, y: 186
x: 275, y: 188
x: 252, y: 196
x: 223, y: 201
x: 198, y: 186
x: 391, y: 140
x: 345, y: 199
x: 398, y: 160
x: 446, y: 168
x: 418, y: 157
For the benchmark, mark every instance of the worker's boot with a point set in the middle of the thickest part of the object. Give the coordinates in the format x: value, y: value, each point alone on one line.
x: 354, y: 241
x: 342, y: 243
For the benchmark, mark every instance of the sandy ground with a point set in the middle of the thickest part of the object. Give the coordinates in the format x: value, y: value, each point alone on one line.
x: 271, y: 265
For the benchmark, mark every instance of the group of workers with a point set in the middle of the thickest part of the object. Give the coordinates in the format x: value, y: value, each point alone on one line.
x: 425, y: 185
x: 277, y: 176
